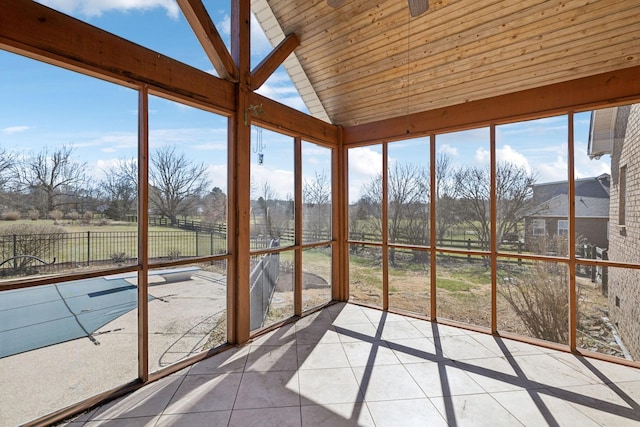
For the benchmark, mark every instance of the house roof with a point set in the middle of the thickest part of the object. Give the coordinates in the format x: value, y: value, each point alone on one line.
x: 369, y: 60
x: 593, y: 187
x: 586, y: 207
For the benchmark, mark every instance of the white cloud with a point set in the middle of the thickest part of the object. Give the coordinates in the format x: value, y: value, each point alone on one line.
x: 448, y: 149
x: 280, y: 181
x: 505, y: 154
x: 14, y: 129
x: 364, y: 163
x: 91, y: 8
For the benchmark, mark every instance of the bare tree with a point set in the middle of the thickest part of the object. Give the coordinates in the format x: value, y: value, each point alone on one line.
x: 513, y: 192
x: 215, y: 206
x: 51, y: 177
x: 175, y: 182
x: 119, y: 187
x: 316, y: 215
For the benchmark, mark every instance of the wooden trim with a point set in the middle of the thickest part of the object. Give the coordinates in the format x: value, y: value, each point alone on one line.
x: 286, y: 120
x: 338, y: 206
x: 573, y: 309
x: 433, y: 235
x: 297, y: 180
x: 30, y: 29
x: 240, y: 135
x: 494, y: 229
x: 143, y: 234
x: 208, y: 36
x: 602, y: 90
x: 385, y: 226
x: 271, y: 62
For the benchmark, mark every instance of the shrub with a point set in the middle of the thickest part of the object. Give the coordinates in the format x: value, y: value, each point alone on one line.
x: 37, y: 240
x: 87, y: 217
x: 11, y: 215
x: 118, y: 257
x: 73, y: 215
x: 34, y: 214
x: 56, y: 216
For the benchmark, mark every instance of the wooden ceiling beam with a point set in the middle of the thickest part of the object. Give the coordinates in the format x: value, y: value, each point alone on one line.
x: 598, y: 91
x: 38, y: 32
x: 268, y: 65
x: 208, y: 36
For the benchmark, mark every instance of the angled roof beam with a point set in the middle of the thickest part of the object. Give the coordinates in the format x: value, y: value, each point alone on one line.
x: 209, y: 38
x: 268, y: 65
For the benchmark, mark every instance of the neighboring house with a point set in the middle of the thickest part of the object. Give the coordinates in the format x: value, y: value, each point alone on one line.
x: 616, y: 131
x: 549, y: 217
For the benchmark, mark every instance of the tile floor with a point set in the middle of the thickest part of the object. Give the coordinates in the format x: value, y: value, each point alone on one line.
x: 348, y: 365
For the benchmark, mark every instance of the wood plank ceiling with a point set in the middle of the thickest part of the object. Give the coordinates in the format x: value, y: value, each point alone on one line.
x: 368, y: 60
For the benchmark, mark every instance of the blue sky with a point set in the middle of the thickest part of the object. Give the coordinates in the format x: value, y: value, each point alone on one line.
x: 43, y: 105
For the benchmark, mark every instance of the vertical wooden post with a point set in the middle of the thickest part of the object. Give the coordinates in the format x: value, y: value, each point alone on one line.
x: 432, y: 227
x: 143, y: 233
x: 573, y: 310
x: 240, y: 144
x: 493, y: 231
x: 339, y: 221
x: 297, y: 288
x: 385, y: 226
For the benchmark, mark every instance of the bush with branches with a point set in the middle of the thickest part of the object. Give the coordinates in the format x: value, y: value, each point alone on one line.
x: 56, y: 216
x: 11, y: 215
x: 35, y: 240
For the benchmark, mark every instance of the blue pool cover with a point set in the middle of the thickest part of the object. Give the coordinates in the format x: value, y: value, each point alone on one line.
x: 37, y: 317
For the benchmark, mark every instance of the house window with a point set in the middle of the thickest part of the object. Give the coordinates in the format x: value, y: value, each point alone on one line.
x: 563, y: 227
x: 539, y: 227
x: 622, y: 195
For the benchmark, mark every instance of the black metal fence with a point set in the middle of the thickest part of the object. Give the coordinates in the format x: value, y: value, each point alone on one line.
x: 263, y: 280
x: 22, y: 254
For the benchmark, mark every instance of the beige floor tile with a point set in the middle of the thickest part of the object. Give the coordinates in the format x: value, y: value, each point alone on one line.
x: 268, y: 390
x: 416, y: 350
x: 217, y: 418
x: 314, y: 334
x: 327, y: 386
x: 474, y: 410
x: 390, y: 382
x: 125, y: 422
x: 463, y: 347
x: 232, y: 360
x: 337, y: 415
x: 320, y: 356
x: 265, y: 358
x: 357, y: 332
x: 441, y: 380
x: 537, y: 408
x: 266, y: 417
x: 494, y: 374
x: 199, y: 393
x: 369, y: 354
x: 406, y: 413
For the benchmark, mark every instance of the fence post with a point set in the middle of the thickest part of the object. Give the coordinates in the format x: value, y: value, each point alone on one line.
x: 468, y: 248
x: 211, y: 242
x: 88, y: 248
x: 15, y: 253
x: 605, y: 274
x: 196, y: 242
x: 519, y: 251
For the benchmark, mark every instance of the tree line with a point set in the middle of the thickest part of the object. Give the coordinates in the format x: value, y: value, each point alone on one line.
x: 52, y: 180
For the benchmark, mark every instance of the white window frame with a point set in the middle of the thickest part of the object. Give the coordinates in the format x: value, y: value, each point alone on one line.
x: 563, y: 231
x: 535, y: 227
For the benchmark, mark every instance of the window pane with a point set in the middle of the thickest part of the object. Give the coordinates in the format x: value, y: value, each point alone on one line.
x: 532, y: 189
x: 78, y: 338
x: 365, y: 274
x: 271, y: 288
x: 463, y: 289
x: 408, y: 192
x: 62, y: 208
x: 463, y: 187
x: 187, y: 181
x: 409, y: 281
x: 316, y: 193
x: 187, y: 311
x: 533, y: 299
x: 272, y: 189
x: 365, y: 193
x: 316, y: 276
